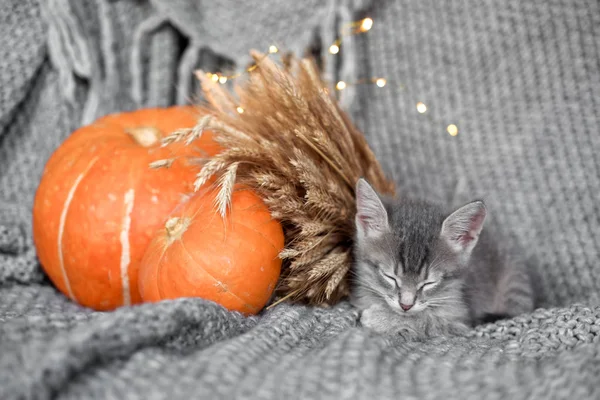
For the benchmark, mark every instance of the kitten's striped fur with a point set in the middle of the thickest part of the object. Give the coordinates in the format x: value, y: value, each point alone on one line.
x: 421, y: 271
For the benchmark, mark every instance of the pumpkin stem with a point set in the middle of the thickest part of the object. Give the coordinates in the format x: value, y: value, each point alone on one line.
x: 175, y: 227
x: 145, y: 136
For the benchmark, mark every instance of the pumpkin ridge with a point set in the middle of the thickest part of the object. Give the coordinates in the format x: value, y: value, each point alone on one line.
x: 137, y: 186
x: 110, y: 145
x: 63, y: 220
x: 160, y: 266
x: 259, y: 233
x: 125, y: 241
x: 132, y: 177
x: 253, y: 308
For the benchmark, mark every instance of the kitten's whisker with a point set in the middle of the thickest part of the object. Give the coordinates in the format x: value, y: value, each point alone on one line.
x: 449, y: 300
x: 371, y: 289
x: 444, y: 298
x: 443, y: 304
x: 375, y: 291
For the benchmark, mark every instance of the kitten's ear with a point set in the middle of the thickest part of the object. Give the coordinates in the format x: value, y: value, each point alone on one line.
x: 462, y: 228
x: 371, y: 216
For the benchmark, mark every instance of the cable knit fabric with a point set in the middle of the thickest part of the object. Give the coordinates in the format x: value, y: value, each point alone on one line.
x: 520, y: 80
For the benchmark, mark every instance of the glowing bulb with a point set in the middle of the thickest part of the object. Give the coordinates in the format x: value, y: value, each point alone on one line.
x: 222, y: 79
x: 452, y: 130
x: 366, y: 24
x: 273, y: 49
x: 215, y: 77
x: 334, y: 49
x: 341, y: 85
x: 380, y: 82
x: 240, y: 110
x: 421, y: 107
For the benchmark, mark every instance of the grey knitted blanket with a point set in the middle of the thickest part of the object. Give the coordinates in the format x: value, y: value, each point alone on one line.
x: 519, y: 79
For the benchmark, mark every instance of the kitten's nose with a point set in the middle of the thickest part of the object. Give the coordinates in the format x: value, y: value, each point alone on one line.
x: 406, y: 307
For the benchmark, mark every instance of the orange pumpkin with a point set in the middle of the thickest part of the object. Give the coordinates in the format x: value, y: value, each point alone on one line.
x: 233, y: 261
x: 98, y: 203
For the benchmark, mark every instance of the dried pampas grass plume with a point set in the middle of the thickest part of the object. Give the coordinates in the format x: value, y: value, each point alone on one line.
x: 300, y: 152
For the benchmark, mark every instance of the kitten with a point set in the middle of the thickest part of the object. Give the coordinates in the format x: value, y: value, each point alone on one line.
x: 420, y: 271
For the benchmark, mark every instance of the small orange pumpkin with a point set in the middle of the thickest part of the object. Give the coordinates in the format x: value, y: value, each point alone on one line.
x: 99, y: 203
x: 233, y: 261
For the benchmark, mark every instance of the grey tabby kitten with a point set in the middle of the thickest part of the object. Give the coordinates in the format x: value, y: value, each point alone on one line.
x: 418, y: 271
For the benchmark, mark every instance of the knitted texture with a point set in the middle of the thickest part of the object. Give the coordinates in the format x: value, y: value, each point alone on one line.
x: 178, y: 349
x: 519, y: 79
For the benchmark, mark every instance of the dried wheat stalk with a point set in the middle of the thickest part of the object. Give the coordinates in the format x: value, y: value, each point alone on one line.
x: 300, y: 152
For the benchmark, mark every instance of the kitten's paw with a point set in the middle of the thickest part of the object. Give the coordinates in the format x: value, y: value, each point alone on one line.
x: 376, y: 319
x: 382, y: 321
x: 369, y: 318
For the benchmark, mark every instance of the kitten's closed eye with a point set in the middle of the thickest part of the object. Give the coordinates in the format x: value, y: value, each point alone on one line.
x: 427, y: 285
x: 390, y: 279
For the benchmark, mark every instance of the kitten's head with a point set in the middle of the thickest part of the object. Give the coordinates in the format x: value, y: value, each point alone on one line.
x: 411, y: 255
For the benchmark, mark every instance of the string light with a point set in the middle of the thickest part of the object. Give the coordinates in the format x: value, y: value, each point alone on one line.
x: 222, y: 79
x: 335, y: 47
x: 361, y: 26
x: 380, y: 82
x: 366, y: 25
x: 353, y: 28
x: 452, y: 130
